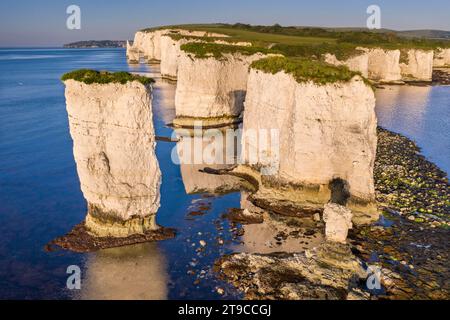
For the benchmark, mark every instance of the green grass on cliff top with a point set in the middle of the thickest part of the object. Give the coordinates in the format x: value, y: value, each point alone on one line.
x: 305, y: 69
x: 93, y: 76
x: 206, y: 50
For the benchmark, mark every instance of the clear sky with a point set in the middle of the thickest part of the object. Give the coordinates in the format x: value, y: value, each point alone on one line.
x: 43, y: 22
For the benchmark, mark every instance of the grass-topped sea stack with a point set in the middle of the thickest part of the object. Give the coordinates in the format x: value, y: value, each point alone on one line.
x: 212, y: 82
x: 110, y: 120
x: 327, y: 136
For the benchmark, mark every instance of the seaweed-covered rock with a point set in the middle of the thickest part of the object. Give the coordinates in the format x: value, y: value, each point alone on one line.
x: 325, y: 272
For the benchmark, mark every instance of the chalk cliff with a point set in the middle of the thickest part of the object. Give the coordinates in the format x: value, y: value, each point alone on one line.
x: 441, y: 57
x: 171, y: 52
x: 211, y: 88
x: 418, y: 65
x: 114, y: 149
x: 148, y: 43
x: 132, y: 53
x: 327, y: 142
x: 359, y: 62
x: 383, y: 65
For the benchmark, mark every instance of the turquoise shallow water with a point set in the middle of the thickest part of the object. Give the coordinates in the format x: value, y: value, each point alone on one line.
x: 40, y: 197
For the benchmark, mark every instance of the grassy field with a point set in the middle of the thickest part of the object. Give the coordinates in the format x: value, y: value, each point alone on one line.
x: 265, y: 36
x: 257, y: 38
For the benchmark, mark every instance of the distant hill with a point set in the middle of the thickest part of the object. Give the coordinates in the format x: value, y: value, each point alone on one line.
x: 425, y: 33
x: 429, y: 34
x: 97, y: 44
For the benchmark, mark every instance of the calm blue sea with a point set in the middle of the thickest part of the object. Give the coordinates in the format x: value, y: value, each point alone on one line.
x: 40, y: 196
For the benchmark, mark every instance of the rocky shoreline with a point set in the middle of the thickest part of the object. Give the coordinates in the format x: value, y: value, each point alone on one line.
x: 441, y: 76
x: 410, y: 253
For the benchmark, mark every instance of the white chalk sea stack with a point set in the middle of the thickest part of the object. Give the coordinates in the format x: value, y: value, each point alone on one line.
x: 211, y: 89
x: 114, y: 149
x: 170, y: 55
x: 383, y: 65
x: 132, y: 53
x: 418, y: 65
x: 338, y: 220
x: 171, y: 51
x: 358, y: 62
x: 327, y: 135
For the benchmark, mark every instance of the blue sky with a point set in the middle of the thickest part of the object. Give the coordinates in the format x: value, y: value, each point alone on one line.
x: 43, y: 22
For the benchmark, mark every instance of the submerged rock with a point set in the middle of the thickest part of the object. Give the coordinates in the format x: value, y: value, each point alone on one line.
x: 114, y: 149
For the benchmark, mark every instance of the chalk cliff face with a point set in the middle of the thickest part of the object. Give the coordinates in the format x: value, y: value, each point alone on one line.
x: 418, y: 65
x: 114, y: 149
x: 171, y: 52
x: 143, y: 44
x: 149, y: 43
x: 327, y: 141
x: 132, y: 54
x: 359, y: 63
x: 211, y: 88
x: 383, y: 65
x: 441, y: 57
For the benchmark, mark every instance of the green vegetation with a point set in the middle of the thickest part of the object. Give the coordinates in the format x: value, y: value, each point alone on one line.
x: 205, y: 50
x: 266, y: 35
x: 303, y: 69
x: 92, y: 76
x: 341, y: 51
x: 177, y: 36
x: 256, y: 38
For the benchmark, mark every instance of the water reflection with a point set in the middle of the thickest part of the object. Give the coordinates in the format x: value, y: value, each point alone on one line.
x: 206, y: 149
x: 164, y: 98
x: 125, y: 273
